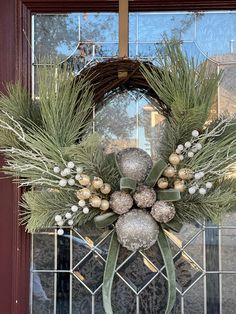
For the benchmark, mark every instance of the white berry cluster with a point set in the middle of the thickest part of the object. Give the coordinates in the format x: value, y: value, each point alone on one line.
x: 198, y: 185
x: 68, y: 217
x: 190, y: 147
x: 69, y: 174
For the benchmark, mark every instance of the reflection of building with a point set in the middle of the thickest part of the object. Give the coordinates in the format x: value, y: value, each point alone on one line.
x: 116, y: 145
x: 227, y: 91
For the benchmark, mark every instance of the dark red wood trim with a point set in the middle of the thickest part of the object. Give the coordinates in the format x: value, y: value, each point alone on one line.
x: 61, y: 6
x: 15, y: 25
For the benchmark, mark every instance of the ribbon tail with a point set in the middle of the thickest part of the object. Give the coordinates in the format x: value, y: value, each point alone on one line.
x: 109, y: 273
x: 170, y: 195
x: 155, y: 173
x: 105, y: 220
x: 174, y: 225
x: 170, y: 270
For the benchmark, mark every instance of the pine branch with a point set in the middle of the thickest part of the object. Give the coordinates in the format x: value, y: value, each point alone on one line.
x: 187, y: 89
x: 40, y: 208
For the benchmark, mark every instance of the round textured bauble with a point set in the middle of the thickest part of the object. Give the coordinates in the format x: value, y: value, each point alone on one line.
x: 95, y: 201
x: 174, y: 159
x: 162, y: 183
x: 136, y: 230
x: 121, y: 202
x: 105, y: 189
x: 84, y: 180
x: 144, y: 197
x: 169, y: 172
x: 163, y: 211
x: 97, y: 183
x: 104, y: 205
x: 185, y: 174
x: 83, y: 194
x: 179, y: 185
x: 134, y: 163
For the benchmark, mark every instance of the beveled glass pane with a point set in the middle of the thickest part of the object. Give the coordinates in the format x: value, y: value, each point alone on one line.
x: 55, y: 35
x: 216, y: 33
x: 152, y: 27
x: 99, y: 27
x: 81, y: 298
x: 42, y: 293
x: 44, y: 250
x: 194, y: 298
x: 228, y: 293
x: 228, y: 252
x: 227, y: 89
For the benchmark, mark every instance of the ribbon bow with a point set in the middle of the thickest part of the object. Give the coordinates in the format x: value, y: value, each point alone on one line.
x: 107, y: 219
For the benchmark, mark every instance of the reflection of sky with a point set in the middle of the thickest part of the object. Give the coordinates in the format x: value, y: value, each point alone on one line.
x: 208, y: 33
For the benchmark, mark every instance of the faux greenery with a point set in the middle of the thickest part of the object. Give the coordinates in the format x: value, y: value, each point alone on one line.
x: 55, y: 128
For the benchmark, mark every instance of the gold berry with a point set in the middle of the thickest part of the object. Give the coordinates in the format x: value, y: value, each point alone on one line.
x: 162, y: 183
x: 84, y: 180
x: 95, y: 201
x: 185, y: 174
x: 169, y: 172
x: 174, y: 159
x: 97, y: 183
x: 105, y: 189
x: 104, y: 205
x: 83, y: 194
x: 179, y: 185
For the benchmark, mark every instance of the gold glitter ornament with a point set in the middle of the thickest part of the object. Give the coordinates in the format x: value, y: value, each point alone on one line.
x: 84, y: 180
x: 174, y: 159
x: 97, y: 183
x: 95, y: 201
x: 83, y: 194
x: 121, y: 202
x: 179, y: 185
x: 104, y: 205
x: 144, y: 196
x: 137, y: 230
x: 105, y: 189
x: 185, y: 174
x: 169, y: 172
x: 163, y: 211
x: 162, y: 183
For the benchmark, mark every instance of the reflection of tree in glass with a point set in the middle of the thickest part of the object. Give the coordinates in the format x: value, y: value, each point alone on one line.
x: 116, y: 121
x: 61, y: 35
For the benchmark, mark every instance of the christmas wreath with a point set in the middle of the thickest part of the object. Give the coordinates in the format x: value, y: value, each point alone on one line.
x: 50, y: 148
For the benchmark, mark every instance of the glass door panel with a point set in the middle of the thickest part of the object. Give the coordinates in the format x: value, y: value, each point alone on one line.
x: 66, y: 274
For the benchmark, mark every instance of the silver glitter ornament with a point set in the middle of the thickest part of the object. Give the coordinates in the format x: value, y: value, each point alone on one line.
x: 144, y: 197
x: 163, y: 211
x: 137, y: 230
x: 121, y: 202
x: 134, y: 163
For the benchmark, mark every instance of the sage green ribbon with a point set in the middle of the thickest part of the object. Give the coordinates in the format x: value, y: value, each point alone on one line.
x: 105, y: 220
x: 156, y: 173
x: 128, y: 184
x: 109, y: 273
x: 169, y: 195
x: 170, y: 269
x: 174, y: 225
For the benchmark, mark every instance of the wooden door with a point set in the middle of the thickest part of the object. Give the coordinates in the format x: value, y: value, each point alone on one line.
x: 15, y: 64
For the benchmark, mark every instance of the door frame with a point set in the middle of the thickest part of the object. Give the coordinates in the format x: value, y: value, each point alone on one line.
x: 15, y: 65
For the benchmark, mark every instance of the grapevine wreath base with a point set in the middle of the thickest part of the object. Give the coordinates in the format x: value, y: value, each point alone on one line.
x: 71, y: 180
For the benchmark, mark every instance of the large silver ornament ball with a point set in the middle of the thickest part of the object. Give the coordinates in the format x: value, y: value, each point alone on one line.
x: 121, y: 202
x: 144, y: 197
x: 137, y: 230
x: 134, y: 163
x: 163, y: 211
